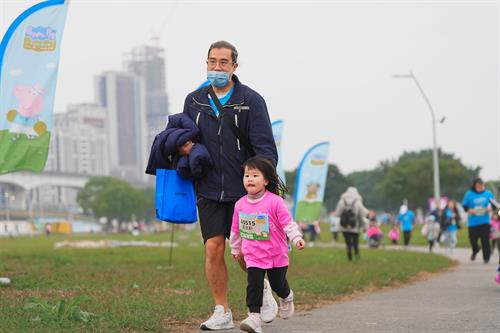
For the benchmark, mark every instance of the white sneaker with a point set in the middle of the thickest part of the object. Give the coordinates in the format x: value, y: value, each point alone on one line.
x: 269, y: 308
x: 252, y: 324
x: 287, y: 308
x: 220, y: 320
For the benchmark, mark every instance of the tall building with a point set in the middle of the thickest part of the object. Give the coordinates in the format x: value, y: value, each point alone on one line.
x: 79, y: 143
x: 78, y: 146
x: 148, y: 62
x: 123, y: 96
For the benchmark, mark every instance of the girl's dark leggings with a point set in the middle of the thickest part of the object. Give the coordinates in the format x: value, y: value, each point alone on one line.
x: 255, y: 286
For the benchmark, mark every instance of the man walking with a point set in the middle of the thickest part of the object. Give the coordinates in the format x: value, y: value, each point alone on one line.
x: 234, y: 125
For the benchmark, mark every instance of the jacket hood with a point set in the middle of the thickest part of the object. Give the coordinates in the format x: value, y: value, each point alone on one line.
x: 351, y: 194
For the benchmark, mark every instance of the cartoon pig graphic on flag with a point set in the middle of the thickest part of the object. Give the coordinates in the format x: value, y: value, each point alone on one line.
x: 25, y: 120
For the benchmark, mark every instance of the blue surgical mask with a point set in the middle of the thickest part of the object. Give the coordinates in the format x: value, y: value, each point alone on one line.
x: 218, y: 79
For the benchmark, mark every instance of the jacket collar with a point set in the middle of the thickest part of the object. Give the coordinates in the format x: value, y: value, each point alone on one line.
x: 237, y: 98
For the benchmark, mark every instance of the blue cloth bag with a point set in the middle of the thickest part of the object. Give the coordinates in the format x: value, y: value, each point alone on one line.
x: 175, y: 198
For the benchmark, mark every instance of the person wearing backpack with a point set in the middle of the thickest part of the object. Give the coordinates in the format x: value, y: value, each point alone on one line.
x: 352, y: 214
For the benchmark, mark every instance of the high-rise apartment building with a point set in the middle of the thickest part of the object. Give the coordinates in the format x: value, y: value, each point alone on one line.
x: 79, y: 144
x: 123, y: 96
x: 148, y: 62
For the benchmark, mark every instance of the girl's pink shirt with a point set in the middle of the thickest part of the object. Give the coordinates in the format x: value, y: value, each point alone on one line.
x: 394, y: 234
x: 270, y: 253
x: 373, y: 230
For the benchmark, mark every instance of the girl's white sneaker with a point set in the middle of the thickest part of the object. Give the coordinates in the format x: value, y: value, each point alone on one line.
x: 287, y: 308
x: 252, y: 324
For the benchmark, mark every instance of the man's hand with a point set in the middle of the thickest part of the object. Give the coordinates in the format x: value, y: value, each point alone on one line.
x: 186, y: 148
x: 300, y: 244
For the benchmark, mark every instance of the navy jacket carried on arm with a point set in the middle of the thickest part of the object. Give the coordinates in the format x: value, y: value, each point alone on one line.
x: 164, y: 150
x: 224, y: 181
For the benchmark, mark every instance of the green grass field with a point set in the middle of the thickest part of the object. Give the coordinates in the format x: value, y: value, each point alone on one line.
x: 133, y: 290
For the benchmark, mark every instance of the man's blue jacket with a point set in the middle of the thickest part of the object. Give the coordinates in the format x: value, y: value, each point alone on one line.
x: 224, y: 180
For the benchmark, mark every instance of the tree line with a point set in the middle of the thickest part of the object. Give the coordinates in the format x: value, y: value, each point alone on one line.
x: 410, y: 177
x: 383, y: 188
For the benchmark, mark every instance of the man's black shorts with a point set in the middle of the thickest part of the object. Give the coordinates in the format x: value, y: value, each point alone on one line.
x: 215, y: 217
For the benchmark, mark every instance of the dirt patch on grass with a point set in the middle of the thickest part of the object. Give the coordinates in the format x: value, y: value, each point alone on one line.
x: 14, y: 294
x: 188, y: 326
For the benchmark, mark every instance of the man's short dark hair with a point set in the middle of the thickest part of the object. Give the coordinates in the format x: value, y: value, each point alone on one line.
x: 222, y: 44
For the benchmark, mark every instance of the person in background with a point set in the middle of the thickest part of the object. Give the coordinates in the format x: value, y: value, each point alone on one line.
x: 407, y: 220
x: 374, y: 233
x: 439, y: 217
x: 48, y: 229
x: 430, y: 230
x: 352, y: 214
x: 334, y: 226
x: 394, y: 234
x: 495, y: 225
x: 450, y: 224
x: 308, y: 228
x: 478, y: 207
x: 495, y: 231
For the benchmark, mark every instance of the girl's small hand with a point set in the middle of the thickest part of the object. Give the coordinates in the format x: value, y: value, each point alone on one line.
x: 236, y: 257
x: 300, y: 244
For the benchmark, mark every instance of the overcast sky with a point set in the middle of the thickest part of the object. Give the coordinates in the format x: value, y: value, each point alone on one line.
x: 324, y: 67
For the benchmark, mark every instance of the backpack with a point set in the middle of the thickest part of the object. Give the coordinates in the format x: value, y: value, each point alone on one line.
x: 348, y: 218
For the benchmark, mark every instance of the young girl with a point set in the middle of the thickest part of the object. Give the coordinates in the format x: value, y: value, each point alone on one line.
x: 261, y: 225
x: 394, y: 234
x: 495, y: 231
x: 374, y: 232
x: 451, y: 219
x: 431, y: 231
x: 495, y: 238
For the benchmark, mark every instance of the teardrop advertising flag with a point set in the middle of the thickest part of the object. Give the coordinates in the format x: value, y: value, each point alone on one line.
x: 278, y: 139
x: 29, y: 60
x: 310, y: 183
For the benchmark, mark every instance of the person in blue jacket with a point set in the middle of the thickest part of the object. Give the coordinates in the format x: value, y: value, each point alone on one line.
x: 450, y: 223
x: 407, y: 219
x: 477, y: 204
x: 245, y: 110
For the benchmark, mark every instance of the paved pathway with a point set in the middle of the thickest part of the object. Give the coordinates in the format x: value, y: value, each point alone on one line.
x: 463, y: 300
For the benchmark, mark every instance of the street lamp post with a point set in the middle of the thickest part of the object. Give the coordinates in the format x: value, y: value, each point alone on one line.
x: 435, y: 157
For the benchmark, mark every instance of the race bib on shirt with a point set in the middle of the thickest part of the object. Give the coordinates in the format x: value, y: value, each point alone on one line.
x: 254, y: 226
x: 480, y: 210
